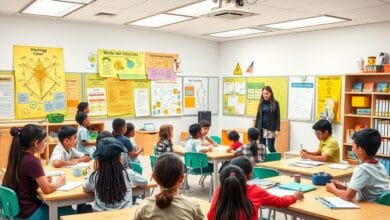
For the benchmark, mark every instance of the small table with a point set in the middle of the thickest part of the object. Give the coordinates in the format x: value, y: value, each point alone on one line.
x: 310, y: 208
x: 77, y: 195
x: 284, y: 167
x: 215, y: 156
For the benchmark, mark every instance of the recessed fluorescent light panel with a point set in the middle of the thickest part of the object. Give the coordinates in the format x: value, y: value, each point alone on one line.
x: 51, y: 8
x: 76, y: 1
x: 238, y: 32
x: 196, y: 9
x: 307, y: 22
x: 159, y: 20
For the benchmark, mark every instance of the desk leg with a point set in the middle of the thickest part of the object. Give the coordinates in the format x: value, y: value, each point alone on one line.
x: 53, y: 210
x: 215, y: 175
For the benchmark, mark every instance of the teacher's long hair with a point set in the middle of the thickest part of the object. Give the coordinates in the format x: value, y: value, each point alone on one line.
x: 271, y: 99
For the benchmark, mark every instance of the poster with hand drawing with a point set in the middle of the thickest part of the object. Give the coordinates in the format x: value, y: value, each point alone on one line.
x: 195, y: 95
x: 167, y: 98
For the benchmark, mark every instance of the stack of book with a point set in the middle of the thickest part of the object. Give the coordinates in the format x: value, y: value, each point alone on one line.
x: 382, y: 107
x: 383, y: 126
x: 369, y: 87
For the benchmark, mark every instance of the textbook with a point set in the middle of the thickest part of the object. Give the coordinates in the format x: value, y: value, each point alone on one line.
x: 382, y: 87
x: 368, y: 87
x: 298, y: 187
x: 336, y: 203
x: 357, y: 87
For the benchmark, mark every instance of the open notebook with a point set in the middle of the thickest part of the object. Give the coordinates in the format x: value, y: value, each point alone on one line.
x: 298, y: 187
x: 69, y: 186
x: 336, y: 203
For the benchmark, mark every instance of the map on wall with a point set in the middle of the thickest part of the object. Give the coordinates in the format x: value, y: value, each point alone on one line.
x: 166, y: 98
x: 39, y: 81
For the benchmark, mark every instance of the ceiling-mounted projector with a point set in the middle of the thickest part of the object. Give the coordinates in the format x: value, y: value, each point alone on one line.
x: 230, y: 9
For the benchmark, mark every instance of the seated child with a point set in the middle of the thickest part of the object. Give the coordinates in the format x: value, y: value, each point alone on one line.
x: 102, y: 135
x: 194, y: 142
x: 206, y: 141
x: 328, y: 150
x: 165, y: 142
x: 118, y: 130
x: 130, y: 133
x: 369, y: 180
x: 169, y: 203
x: 65, y: 153
x: 234, y: 136
x: 83, y: 107
x: 111, y: 182
x: 253, y: 151
x: 83, y: 144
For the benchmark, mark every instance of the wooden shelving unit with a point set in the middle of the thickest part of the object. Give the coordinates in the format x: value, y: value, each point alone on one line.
x: 351, y: 119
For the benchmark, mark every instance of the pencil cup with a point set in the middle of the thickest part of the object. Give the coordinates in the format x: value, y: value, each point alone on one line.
x: 297, y: 178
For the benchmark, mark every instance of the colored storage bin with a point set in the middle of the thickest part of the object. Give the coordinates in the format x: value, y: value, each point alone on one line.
x: 360, y: 101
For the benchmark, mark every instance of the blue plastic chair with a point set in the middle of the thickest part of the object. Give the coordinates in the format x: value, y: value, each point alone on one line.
x: 196, y: 163
x: 9, y: 205
x: 217, y: 139
x: 136, y: 167
x: 272, y: 157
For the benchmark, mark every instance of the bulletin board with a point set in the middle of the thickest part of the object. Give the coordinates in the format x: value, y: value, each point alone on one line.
x: 166, y: 98
x: 234, y: 95
x: 279, y: 87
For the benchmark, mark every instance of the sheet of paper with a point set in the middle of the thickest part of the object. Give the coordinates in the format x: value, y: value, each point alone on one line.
x: 7, y: 97
x: 80, y: 165
x: 54, y: 173
x: 228, y: 88
x: 141, y: 99
x: 339, y: 166
x: 233, y: 100
x: 69, y: 186
x: 240, y: 88
x: 280, y: 192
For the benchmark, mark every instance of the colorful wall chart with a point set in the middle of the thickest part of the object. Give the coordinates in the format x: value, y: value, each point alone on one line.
x: 329, y: 98
x: 195, y: 95
x: 124, y: 64
x: 166, y: 98
x: 141, y: 98
x: 234, y: 96
x: 279, y: 86
x: 95, y: 90
x: 301, y: 97
x: 7, y: 87
x: 73, y: 92
x: 119, y: 97
x: 160, y: 66
x: 39, y: 81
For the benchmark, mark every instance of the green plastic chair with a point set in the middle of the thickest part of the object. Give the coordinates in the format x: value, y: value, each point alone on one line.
x: 136, y: 167
x: 262, y: 172
x: 9, y: 205
x: 272, y: 157
x: 384, y: 199
x: 152, y: 161
x: 195, y: 163
x: 217, y: 139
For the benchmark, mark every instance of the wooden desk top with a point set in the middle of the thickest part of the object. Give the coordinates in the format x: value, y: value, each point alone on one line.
x: 310, y: 206
x: 77, y: 192
x: 283, y: 165
x: 122, y: 214
x: 212, y: 155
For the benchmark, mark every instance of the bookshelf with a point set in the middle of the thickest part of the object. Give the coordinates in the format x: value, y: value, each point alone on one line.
x: 375, y: 104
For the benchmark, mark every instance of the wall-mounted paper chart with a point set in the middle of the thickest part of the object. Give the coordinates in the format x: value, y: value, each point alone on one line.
x: 195, y: 95
x: 167, y: 98
x: 301, y: 97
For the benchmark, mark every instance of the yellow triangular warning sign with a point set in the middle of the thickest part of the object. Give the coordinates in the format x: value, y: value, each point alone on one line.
x: 237, y: 70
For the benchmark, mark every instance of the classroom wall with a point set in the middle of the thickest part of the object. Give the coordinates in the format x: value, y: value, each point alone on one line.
x: 199, y: 57
x: 332, y: 51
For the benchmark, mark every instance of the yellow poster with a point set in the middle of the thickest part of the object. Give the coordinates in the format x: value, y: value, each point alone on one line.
x: 234, y: 96
x: 122, y: 64
x: 40, y: 86
x: 279, y: 86
x: 95, y: 91
x: 328, y: 98
x: 73, y: 92
x: 119, y: 97
x: 160, y: 66
x: 141, y: 97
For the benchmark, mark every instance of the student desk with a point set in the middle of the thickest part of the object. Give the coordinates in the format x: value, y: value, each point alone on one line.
x: 310, y: 208
x: 77, y: 195
x: 285, y: 169
x: 123, y: 214
x: 215, y: 156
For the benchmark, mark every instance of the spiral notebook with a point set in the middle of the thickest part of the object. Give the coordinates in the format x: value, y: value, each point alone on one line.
x: 336, y: 203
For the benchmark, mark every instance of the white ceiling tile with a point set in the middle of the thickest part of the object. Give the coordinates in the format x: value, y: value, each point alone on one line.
x: 378, y: 13
x: 118, y: 3
x: 331, y: 6
x: 298, y: 5
x: 12, y: 7
x: 161, y: 6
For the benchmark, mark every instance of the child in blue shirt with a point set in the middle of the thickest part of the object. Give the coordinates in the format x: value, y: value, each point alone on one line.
x: 130, y: 133
x: 369, y: 179
x: 83, y: 144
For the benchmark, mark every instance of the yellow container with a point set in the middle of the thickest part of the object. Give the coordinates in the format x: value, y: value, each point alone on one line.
x: 371, y: 60
x: 360, y: 101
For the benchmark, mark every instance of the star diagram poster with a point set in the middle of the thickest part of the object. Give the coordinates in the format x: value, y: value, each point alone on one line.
x: 40, y: 86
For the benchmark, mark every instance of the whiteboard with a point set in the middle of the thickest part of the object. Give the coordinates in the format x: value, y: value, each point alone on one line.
x: 214, y: 95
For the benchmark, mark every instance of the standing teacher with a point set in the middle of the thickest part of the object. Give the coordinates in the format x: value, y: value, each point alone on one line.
x: 268, y: 118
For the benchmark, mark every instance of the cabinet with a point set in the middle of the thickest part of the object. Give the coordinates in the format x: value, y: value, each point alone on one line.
x: 366, y: 109
x: 146, y: 139
x: 5, y: 146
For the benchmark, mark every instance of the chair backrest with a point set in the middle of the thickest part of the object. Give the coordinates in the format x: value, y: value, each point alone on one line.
x: 217, y: 139
x: 136, y: 167
x: 195, y: 160
x: 152, y: 161
x: 262, y: 172
x: 154, y: 149
x: 272, y: 156
x: 8, y: 202
x: 384, y: 199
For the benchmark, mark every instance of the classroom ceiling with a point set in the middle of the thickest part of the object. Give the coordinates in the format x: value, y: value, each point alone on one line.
x: 269, y: 11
